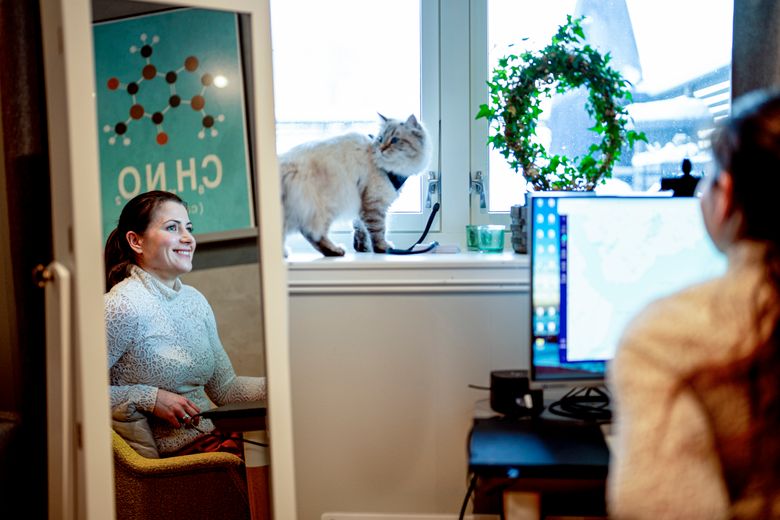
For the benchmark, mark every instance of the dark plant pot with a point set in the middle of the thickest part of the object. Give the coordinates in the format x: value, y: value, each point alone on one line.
x: 519, y: 228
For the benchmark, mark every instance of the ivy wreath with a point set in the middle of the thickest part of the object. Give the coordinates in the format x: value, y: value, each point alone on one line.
x: 516, y: 90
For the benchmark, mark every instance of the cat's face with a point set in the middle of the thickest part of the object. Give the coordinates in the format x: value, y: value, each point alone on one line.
x: 402, y: 147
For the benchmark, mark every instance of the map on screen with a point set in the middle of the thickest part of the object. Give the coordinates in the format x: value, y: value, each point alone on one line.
x: 596, y: 261
x: 623, y: 254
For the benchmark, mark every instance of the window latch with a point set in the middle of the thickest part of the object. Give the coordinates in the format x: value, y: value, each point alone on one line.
x: 434, y: 189
x: 477, y: 187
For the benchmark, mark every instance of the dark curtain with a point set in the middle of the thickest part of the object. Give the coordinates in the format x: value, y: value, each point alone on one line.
x: 756, y: 46
x: 23, y: 465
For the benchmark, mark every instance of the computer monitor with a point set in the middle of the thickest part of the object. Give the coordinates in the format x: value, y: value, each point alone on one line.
x: 596, y: 261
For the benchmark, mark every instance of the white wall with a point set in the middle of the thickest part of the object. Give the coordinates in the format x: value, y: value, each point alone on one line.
x: 381, y: 353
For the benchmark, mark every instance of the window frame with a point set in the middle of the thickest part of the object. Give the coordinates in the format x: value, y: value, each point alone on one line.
x: 480, y: 163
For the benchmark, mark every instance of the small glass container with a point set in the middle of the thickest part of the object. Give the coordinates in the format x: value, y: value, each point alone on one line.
x: 472, y: 237
x: 491, y: 238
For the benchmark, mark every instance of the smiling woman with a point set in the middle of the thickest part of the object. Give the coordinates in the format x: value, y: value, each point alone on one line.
x: 166, y: 246
x: 165, y: 355
x: 147, y: 223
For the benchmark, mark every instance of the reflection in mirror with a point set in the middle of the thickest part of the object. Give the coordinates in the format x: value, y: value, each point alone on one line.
x: 183, y: 335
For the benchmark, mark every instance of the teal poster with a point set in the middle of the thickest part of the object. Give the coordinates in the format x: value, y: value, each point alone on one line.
x: 171, y: 115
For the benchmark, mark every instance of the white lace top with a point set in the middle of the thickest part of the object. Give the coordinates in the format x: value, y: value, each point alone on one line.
x: 166, y: 338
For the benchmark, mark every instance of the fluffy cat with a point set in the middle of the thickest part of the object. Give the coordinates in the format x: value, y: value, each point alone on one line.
x: 350, y: 176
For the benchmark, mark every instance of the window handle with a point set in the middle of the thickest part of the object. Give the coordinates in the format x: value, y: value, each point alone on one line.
x: 477, y: 187
x: 434, y: 189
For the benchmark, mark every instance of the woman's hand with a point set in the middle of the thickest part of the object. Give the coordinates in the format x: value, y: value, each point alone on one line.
x: 176, y: 409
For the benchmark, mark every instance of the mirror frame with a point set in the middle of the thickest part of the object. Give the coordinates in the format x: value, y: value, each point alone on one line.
x: 70, y: 77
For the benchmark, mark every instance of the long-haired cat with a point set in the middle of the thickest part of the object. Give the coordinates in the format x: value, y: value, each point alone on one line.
x: 350, y: 176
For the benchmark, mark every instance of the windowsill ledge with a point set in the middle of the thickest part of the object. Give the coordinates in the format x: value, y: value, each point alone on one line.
x: 311, y: 273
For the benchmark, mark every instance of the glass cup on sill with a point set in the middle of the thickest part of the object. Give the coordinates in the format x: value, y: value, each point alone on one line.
x: 472, y: 237
x: 491, y: 238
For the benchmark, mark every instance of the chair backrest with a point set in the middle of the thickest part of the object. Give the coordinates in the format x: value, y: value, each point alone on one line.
x: 203, y: 485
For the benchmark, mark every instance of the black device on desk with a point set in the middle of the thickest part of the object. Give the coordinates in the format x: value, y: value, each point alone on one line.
x: 538, y: 448
x: 564, y: 461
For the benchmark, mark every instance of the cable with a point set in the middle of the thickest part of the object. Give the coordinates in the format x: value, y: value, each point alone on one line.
x: 434, y: 210
x: 469, y: 491
x: 477, y: 387
x: 410, y: 250
x: 587, y: 403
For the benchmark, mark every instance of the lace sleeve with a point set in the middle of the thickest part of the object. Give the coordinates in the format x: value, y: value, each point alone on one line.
x: 121, y: 331
x: 225, y: 386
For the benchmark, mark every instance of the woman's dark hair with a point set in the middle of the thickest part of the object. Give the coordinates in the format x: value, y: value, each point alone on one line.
x: 136, y: 216
x: 747, y: 146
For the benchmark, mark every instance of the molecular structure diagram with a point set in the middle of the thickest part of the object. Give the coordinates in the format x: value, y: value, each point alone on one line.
x: 137, y: 111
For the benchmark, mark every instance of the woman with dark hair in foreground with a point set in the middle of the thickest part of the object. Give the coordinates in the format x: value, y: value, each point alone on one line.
x: 696, y: 378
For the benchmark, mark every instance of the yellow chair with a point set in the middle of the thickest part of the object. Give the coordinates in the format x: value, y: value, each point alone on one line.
x: 191, y: 487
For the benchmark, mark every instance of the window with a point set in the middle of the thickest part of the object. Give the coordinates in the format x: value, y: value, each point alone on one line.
x: 680, y: 74
x: 339, y: 63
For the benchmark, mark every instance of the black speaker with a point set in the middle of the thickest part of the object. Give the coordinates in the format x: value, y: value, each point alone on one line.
x: 511, y: 394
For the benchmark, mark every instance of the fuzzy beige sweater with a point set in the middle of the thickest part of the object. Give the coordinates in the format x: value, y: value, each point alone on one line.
x: 665, y: 462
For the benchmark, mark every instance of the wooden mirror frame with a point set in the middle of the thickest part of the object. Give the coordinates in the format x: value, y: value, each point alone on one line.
x: 70, y: 81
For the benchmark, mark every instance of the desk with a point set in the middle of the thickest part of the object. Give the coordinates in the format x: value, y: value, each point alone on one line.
x: 248, y: 417
x: 530, y: 468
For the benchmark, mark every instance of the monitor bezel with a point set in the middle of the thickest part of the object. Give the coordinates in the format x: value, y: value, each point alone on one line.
x: 534, y: 379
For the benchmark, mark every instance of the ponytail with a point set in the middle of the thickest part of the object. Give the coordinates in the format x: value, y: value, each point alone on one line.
x: 118, y: 259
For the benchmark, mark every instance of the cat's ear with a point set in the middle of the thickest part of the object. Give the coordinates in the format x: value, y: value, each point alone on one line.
x: 412, y: 121
x: 384, y: 119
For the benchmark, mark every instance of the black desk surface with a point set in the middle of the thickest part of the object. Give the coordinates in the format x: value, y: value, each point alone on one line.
x: 538, y: 448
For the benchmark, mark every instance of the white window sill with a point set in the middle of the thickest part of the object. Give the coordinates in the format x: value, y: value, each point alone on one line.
x: 408, y: 274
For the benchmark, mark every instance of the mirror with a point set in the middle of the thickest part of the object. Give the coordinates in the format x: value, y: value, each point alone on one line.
x: 222, y: 163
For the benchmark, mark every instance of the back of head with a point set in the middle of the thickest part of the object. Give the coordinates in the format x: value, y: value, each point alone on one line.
x: 136, y: 216
x: 748, y: 147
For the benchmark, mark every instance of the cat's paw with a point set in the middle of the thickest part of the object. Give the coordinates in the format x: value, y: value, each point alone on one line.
x: 334, y: 251
x: 360, y: 241
x: 361, y: 246
x: 324, y: 245
x: 382, y: 247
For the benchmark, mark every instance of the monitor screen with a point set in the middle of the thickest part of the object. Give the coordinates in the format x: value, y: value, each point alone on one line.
x: 596, y: 261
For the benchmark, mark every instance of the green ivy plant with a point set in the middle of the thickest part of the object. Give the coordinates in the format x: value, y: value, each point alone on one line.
x: 517, y: 88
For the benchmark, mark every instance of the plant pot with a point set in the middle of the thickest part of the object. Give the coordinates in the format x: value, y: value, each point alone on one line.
x: 519, y: 228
